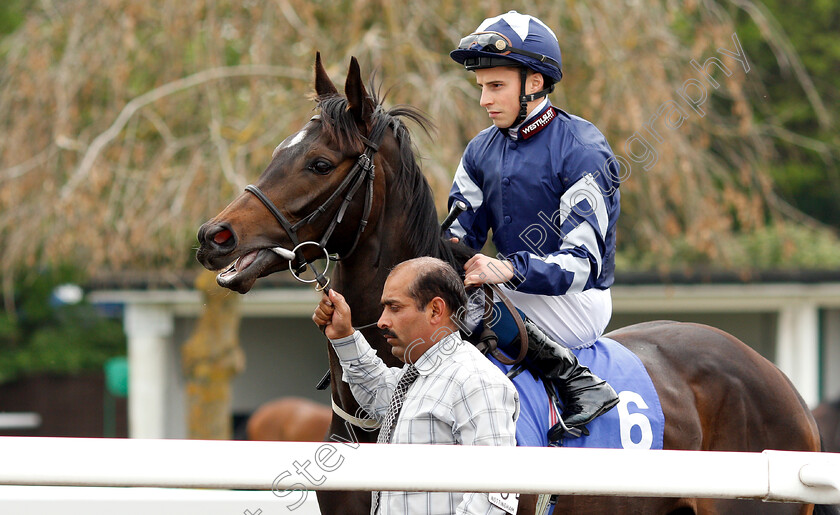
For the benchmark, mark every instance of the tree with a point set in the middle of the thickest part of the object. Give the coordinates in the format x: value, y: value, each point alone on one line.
x: 211, y: 358
x: 124, y: 125
x: 48, y: 334
x: 798, y: 102
x: 12, y: 13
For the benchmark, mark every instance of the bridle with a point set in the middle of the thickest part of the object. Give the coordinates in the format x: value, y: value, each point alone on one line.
x: 362, y: 173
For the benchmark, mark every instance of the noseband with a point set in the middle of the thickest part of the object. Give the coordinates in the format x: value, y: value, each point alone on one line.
x: 362, y: 172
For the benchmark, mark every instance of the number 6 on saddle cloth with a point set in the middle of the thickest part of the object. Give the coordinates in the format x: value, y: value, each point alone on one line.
x: 636, y: 423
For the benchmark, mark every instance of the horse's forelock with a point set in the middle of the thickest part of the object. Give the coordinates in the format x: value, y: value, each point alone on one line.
x: 339, y: 125
x: 409, y: 180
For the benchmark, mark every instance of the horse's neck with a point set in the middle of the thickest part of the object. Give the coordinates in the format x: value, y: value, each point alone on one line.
x: 361, y: 278
x: 363, y: 274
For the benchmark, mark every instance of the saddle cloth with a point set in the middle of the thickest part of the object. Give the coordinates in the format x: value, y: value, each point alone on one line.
x: 636, y: 422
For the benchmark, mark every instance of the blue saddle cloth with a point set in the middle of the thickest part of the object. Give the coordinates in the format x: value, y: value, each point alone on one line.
x: 636, y: 422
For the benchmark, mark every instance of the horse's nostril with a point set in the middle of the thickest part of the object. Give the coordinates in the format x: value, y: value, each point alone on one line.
x: 217, y: 237
x: 222, y: 236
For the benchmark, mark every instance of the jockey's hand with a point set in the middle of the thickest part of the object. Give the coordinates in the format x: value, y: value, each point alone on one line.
x: 481, y: 269
x: 333, y: 313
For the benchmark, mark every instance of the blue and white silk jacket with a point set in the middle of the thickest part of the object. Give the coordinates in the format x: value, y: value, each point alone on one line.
x: 549, y: 192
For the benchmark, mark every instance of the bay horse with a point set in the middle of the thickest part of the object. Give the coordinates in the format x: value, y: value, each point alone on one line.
x: 289, y: 419
x: 320, y: 192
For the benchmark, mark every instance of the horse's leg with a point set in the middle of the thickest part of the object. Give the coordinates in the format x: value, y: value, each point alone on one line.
x: 527, y: 504
x: 343, y: 502
x: 739, y: 507
x: 611, y: 505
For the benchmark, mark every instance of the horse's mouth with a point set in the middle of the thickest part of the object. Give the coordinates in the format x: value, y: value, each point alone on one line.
x: 241, y: 275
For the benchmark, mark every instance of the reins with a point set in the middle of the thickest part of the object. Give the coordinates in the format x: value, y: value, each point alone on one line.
x: 488, y: 341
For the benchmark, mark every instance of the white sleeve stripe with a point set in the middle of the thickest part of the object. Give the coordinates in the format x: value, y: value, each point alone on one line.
x: 583, y: 236
x: 577, y: 265
x: 468, y: 188
x: 457, y: 229
x: 585, y: 189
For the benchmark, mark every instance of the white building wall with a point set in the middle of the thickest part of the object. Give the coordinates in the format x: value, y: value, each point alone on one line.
x: 795, y: 325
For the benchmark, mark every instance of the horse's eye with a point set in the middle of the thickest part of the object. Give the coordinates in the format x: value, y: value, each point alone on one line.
x: 321, y: 167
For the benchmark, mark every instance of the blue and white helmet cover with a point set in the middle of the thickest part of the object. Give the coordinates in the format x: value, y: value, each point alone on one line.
x: 525, y: 32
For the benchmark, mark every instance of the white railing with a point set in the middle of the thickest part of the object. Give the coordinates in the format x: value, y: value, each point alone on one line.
x: 290, y: 469
x: 91, y: 500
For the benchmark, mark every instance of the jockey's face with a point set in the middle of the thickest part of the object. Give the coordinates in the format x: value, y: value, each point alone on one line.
x: 500, y: 88
x: 408, y: 329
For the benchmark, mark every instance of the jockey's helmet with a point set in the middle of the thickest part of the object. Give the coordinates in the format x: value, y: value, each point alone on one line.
x: 511, y: 39
x: 516, y: 40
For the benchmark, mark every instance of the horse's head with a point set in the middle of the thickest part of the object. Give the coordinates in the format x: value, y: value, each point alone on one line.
x: 319, y: 187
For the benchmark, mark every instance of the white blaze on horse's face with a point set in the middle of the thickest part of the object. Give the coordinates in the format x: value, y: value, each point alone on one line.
x: 289, y: 142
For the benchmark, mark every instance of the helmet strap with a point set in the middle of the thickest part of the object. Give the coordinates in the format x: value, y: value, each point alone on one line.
x: 523, y: 102
x: 525, y: 99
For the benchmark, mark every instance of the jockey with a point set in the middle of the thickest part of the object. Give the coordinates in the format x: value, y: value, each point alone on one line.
x: 546, y: 183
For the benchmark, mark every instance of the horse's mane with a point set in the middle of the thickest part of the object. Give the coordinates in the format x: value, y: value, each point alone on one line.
x: 424, y: 239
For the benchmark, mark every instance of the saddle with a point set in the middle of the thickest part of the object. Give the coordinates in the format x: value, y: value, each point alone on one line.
x: 487, y: 343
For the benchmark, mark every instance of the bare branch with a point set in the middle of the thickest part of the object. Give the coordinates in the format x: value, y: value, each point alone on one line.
x: 103, y: 139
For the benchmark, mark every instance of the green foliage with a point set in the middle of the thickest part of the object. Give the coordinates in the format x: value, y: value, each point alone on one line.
x: 12, y: 14
x: 804, y: 182
x: 789, y: 247
x: 45, y: 336
x: 779, y: 247
x: 804, y: 102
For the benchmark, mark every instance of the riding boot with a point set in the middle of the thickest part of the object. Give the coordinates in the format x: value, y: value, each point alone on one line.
x: 585, y: 396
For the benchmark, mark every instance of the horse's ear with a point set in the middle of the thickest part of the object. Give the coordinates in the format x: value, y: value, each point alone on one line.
x: 357, y: 98
x: 323, y: 85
